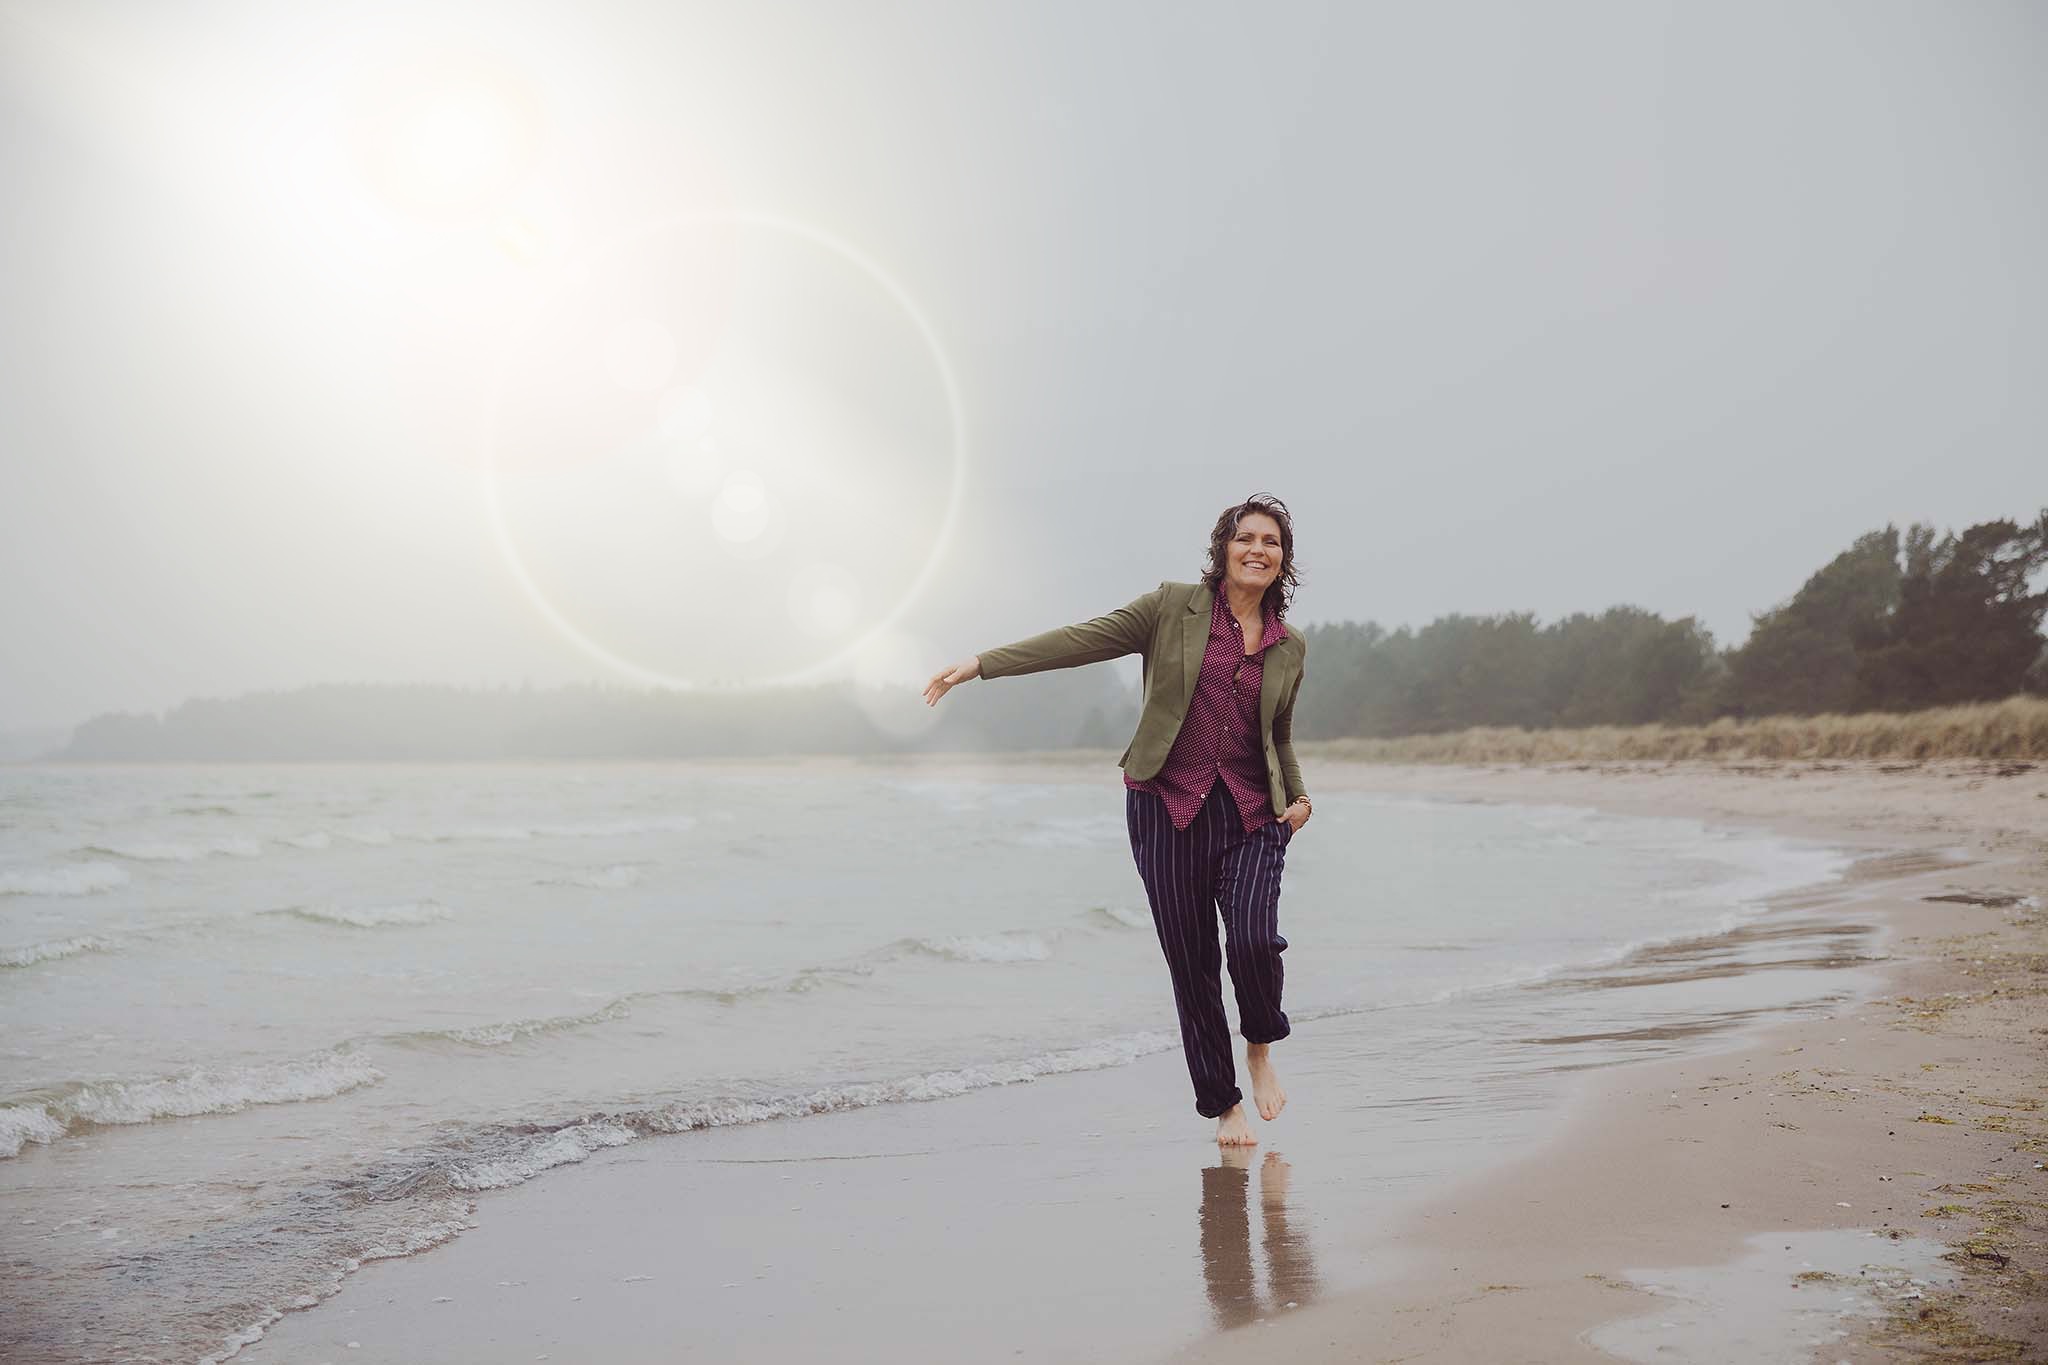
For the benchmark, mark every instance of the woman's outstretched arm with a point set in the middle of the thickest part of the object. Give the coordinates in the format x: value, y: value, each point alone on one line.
x: 1127, y: 630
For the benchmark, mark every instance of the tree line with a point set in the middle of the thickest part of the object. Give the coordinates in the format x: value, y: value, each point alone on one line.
x: 1893, y: 623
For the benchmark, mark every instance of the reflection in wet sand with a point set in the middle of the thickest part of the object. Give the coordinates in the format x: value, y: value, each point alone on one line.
x: 1682, y: 992
x: 1225, y: 1222
x: 1801, y: 945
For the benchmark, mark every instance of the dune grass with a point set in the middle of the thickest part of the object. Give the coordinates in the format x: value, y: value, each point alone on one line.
x: 2016, y: 728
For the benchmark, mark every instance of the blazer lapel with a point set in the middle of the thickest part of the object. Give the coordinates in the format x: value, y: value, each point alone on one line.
x: 1275, y: 679
x: 1194, y: 641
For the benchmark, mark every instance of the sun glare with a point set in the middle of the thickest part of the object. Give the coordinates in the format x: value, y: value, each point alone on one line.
x: 715, y: 444
x: 724, y: 408
x: 448, y: 140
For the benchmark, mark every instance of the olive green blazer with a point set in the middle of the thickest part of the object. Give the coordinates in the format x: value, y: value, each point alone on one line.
x: 1170, y: 627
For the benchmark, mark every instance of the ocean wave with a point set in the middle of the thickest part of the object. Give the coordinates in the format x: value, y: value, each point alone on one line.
x: 420, y: 1198
x: 336, y: 1248
x: 588, y: 829
x: 207, y: 1090
x: 1119, y: 917
x: 497, y: 1035
x: 617, y: 877
x: 495, y: 1157
x: 993, y: 948
x: 485, y: 833
x: 409, y: 1201
x: 171, y: 851
x: 1011, y: 947
x: 370, y: 916
x: 559, y: 1148
x: 618, y: 829
x: 21, y: 1124
x: 69, y: 879
x: 313, y: 839
x: 932, y: 1085
x: 56, y: 948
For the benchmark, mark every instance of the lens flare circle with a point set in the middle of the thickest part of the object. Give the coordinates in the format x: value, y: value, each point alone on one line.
x: 748, y: 508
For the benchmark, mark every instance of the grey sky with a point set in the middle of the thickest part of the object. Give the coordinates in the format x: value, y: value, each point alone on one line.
x: 1520, y: 307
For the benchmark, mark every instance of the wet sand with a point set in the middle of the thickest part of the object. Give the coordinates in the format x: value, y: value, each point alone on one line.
x: 1085, y: 1217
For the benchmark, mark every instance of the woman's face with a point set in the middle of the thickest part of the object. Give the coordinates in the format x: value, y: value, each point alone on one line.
x: 1254, y: 552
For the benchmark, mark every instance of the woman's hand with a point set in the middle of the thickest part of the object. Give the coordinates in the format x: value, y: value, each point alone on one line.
x: 943, y: 680
x: 1297, y: 815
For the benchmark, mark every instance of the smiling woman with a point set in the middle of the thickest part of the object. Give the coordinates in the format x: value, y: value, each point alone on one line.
x: 1213, y: 794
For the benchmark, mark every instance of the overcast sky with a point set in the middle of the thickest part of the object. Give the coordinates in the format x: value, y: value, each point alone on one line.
x: 782, y: 336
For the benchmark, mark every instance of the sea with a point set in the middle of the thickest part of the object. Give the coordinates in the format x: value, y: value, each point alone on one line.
x: 260, y: 1024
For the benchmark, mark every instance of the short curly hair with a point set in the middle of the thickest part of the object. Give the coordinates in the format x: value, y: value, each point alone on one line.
x: 1280, y: 592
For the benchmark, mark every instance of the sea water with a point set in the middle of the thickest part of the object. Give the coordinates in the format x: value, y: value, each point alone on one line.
x: 259, y: 1024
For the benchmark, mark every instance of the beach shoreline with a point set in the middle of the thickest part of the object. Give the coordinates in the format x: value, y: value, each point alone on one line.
x: 1810, y: 1125
x: 1919, y: 1110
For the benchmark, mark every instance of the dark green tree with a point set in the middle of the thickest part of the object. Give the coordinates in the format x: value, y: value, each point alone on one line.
x: 1967, y: 627
x: 1801, y: 656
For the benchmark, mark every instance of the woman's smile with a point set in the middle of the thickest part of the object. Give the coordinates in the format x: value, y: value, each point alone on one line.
x: 1255, y: 551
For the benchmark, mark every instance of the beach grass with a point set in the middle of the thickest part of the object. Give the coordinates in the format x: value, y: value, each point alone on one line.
x: 2016, y: 728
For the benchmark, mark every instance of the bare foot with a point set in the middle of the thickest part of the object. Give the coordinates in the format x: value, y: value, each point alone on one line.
x: 1234, y: 1129
x: 1266, y: 1091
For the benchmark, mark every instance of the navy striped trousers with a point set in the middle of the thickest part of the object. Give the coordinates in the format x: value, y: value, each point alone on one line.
x: 1188, y: 874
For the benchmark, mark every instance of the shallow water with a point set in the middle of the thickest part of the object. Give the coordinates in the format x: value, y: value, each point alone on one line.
x: 263, y: 1023
x: 1790, y: 1298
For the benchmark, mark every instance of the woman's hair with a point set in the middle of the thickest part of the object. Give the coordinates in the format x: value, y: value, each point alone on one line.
x: 1280, y: 592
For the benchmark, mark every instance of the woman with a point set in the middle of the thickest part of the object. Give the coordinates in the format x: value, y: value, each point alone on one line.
x: 1213, y: 793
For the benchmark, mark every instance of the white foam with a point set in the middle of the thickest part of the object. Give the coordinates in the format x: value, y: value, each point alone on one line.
x: 588, y: 829
x: 617, y: 877
x: 70, y: 879
x: 415, y: 1236
x: 413, y: 1230
x: 1014, y: 947
x: 141, y: 852
x: 171, y: 851
x: 619, y: 829
x: 21, y: 1124
x: 372, y: 916
x: 317, y: 839
x: 207, y: 1090
x: 492, y: 833
x: 48, y: 952
x: 1108, y: 1052
x: 497, y: 1035
x: 576, y: 1141
x: 559, y: 1148
x: 1123, y: 915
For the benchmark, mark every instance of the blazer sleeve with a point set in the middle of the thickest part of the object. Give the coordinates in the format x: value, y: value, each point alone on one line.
x: 1283, y: 736
x: 1127, y: 630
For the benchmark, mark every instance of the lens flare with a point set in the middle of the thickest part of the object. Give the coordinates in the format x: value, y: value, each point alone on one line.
x: 714, y: 411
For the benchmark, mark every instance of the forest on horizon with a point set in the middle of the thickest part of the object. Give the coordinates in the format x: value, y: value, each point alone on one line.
x: 1898, y: 621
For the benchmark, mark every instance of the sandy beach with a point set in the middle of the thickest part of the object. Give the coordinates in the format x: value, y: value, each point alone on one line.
x: 1851, y: 1181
